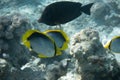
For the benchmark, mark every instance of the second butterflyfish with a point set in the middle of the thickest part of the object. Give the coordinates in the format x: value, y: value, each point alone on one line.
x: 45, y: 44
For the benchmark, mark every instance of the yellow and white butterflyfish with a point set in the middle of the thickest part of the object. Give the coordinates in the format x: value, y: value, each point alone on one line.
x: 113, y: 45
x: 40, y: 43
x: 60, y: 37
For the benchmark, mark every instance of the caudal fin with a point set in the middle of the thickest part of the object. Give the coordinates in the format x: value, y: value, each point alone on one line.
x: 86, y: 8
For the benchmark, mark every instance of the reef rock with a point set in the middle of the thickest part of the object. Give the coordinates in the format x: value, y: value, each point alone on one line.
x: 92, y: 60
x: 11, y: 29
x: 4, y: 69
x: 71, y: 76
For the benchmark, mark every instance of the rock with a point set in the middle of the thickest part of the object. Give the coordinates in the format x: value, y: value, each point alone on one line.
x: 4, y: 69
x: 71, y: 76
x: 93, y: 62
x: 56, y: 70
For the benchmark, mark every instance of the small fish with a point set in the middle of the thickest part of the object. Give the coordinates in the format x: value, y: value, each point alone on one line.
x: 113, y: 44
x: 40, y: 43
x: 46, y: 44
x: 62, y: 12
x: 60, y: 37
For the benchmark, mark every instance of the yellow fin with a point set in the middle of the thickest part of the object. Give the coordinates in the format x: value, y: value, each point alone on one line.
x: 41, y: 56
x: 107, y: 45
x: 58, y: 51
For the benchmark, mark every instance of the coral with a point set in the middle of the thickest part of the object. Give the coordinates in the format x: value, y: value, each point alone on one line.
x: 26, y: 74
x: 56, y: 70
x: 11, y: 28
x: 4, y: 69
x: 93, y: 62
x: 71, y: 76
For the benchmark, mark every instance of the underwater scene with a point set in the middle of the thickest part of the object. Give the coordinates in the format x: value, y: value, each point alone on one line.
x: 59, y: 39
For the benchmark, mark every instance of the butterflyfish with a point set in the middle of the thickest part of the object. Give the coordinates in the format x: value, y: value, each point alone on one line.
x: 40, y: 43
